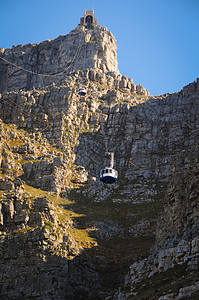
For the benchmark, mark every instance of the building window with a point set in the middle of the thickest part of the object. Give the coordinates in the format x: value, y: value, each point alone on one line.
x: 89, y: 21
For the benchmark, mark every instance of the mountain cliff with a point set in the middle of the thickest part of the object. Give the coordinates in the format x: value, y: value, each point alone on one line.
x: 64, y: 234
x: 81, y: 49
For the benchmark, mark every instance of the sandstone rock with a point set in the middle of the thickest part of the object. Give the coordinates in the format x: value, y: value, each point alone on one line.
x: 8, y: 209
x: 63, y: 49
x: 80, y: 175
x: 6, y: 185
x: 63, y: 148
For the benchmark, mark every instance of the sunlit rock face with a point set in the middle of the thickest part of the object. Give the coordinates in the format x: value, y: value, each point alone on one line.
x: 81, y: 49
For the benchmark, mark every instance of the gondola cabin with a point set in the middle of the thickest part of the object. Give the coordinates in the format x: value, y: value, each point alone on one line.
x: 108, y: 175
x: 82, y: 91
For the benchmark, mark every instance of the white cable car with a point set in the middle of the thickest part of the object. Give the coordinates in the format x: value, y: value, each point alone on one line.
x: 109, y: 175
x: 82, y: 91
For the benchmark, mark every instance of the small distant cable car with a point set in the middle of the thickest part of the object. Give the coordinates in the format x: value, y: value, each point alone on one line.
x: 108, y: 174
x: 82, y: 91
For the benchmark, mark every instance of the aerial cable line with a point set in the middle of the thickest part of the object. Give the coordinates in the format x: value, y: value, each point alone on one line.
x: 82, y: 89
x: 27, y: 114
x: 45, y: 75
x: 32, y: 72
x: 16, y: 106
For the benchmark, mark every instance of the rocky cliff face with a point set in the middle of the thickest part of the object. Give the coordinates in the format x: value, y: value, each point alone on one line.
x: 64, y: 231
x: 81, y: 49
x: 171, y: 271
x: 144, y: 132
x: 38, y: 236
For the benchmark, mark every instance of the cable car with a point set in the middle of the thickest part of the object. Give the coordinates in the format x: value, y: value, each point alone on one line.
x: 108, y: 174
x: 82, y: 91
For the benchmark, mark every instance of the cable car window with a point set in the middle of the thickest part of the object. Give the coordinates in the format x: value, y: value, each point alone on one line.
x: 106, y: 170
x: 110, y: 170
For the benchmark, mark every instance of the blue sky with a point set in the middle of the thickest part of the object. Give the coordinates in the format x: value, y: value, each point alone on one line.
x: 158, y: 40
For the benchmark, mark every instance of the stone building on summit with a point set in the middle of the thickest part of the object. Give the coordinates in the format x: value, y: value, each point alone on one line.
x: 89, y: 19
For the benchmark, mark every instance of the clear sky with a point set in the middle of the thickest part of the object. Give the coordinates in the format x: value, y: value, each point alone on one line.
x: 158, y: 40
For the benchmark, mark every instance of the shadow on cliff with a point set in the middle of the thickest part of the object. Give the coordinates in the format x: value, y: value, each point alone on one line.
x: 112, y: 220
x: 145, y: 139
x: 31, y: 269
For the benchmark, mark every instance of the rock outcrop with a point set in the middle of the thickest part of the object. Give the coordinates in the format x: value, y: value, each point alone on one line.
x: 81, y: 49
x: 144, y: 132
x: 38, y: 237
x: 173, y: 263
